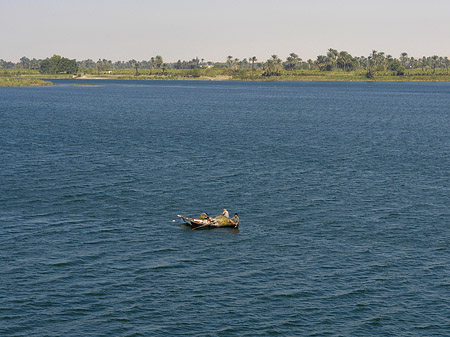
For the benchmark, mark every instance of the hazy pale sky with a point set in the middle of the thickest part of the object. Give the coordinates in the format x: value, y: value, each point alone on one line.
x: 211, y: 29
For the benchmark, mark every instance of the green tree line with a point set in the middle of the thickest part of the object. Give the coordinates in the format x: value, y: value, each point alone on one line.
x: 58, y: 65
x: 330, y: 61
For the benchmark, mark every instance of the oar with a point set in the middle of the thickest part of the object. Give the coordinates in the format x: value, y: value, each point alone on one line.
x: 201, y: 226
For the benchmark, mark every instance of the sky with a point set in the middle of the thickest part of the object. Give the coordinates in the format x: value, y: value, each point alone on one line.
x: 212, y: 30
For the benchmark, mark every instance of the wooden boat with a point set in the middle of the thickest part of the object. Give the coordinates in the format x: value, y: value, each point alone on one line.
x: 208, y: 223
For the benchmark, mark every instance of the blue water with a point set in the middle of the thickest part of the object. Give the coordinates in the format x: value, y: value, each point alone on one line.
x: 343, y: 190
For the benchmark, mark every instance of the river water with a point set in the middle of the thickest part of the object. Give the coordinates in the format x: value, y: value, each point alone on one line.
x: 343, y: 191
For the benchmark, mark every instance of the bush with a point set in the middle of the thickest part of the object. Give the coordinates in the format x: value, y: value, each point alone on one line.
x: 210, y: 73
x: 401, y: 71
x: 194, y: 73
x: 57, y: 64
x: 369, y: 74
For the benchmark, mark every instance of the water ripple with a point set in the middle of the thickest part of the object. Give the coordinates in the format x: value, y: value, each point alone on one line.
x: 342, y: 190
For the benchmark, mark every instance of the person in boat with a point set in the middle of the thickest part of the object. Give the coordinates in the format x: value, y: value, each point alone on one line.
x: 225, y: 213
x: 204, y: 216
x: 235, y: 220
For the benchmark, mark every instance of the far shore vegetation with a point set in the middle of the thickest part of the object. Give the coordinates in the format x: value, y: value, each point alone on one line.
x: 8, y: 81
x: 334, y: 65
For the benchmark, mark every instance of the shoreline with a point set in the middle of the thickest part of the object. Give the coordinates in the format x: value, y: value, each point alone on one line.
x: 332, y: 77
x: 7, y: 82
x: 259, y: 79
x: 34, y: 80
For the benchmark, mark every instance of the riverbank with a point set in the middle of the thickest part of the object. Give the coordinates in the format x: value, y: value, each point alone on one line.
x: 22, y: 82
x: 34, y: 78
x: 312, y: 75
x: 227, y: 74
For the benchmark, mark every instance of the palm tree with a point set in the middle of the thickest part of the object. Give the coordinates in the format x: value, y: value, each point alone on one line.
x: 344, y: 60
x: 389, y: 60
x: 276, y: 59
x: 435, y: 59
x: 292, y: 61
x: 98, y: 66
x: 25, y: 62
x: 374, y: 56
x: 151, y: 64
x: 423, y: 63
x: 323, y: 62
x: 229, y: 61
x: 333, y: 56
x: 446, y: 63
x: 370, y: 64
x: 382, y: 59
x: 158, y: 61
x: 277, y: 63
x: 272, y: 66
x: 404, y: 58
x: 236, y: 64
x: 253, y: 59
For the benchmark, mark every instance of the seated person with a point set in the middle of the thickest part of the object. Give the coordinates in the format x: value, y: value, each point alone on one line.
x: 235, y: 220
x: 204, y: 216
x: 225, y: 213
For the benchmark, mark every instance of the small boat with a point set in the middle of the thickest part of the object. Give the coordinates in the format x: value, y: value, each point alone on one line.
x: 207, y: 223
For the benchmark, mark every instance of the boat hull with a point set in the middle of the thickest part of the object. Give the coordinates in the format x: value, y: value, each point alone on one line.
x: 195, y: 223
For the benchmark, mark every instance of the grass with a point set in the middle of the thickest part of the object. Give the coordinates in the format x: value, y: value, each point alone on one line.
x: 83, y: 85
x: 30, y: 77
x: 296, y: 75
x: 22, y: 82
